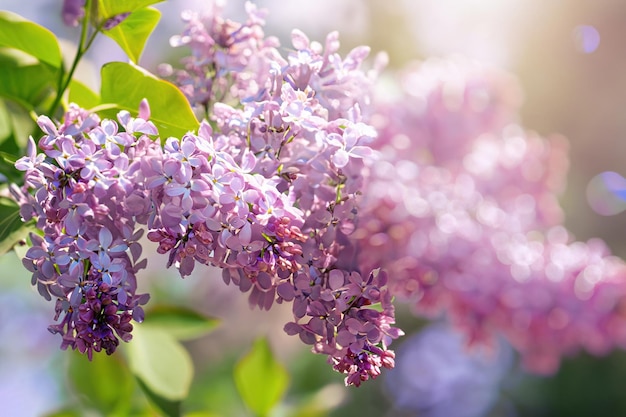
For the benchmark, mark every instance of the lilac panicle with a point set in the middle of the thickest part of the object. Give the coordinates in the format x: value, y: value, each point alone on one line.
x: 84, y: 192
x: 270, y: 192
x: 206, y: 198
x: 302, y: 191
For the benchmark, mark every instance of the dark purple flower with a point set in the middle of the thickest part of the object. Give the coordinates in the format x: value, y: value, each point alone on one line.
x: 114, y: 21
x: 97, y: 324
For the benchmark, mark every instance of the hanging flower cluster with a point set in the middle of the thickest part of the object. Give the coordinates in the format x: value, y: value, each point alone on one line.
x: 267, y: 190
x: 84, y: 191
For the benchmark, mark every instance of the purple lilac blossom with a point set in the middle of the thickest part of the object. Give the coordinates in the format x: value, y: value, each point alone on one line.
x: 270, y: 197
x: 73, y: 11
x: 228, y: 61
x: 270, y: 193
x: 282, y: 190
x: 463, y: 215
x: 115, y: 20
x: 84, y: 193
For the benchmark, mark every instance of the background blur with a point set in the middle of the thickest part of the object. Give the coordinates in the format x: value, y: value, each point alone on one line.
x: 570, y: 60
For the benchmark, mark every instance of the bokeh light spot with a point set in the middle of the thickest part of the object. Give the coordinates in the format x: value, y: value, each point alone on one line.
x: 586, y: 38
x: 602, y: 193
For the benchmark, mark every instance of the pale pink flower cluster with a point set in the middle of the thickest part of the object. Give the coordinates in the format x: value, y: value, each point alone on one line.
x: 462, y: 212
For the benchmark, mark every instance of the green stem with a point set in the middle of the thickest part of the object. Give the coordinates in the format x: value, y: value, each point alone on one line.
x: 86, y: 40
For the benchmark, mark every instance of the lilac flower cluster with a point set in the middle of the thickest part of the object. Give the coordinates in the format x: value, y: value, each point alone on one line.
x: 85, y: 192
x: 463, y: 215
x: 271, y: 196
x: 229, y: 60
x: 267, y: 191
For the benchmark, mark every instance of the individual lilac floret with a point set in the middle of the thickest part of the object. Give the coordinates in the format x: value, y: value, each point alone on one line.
x: 87, y: 199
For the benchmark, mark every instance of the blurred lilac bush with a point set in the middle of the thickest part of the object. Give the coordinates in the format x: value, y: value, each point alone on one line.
x: 463, y: 214
x: 437, y: 375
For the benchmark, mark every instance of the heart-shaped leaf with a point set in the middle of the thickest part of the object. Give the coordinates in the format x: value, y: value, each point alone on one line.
x: 12, y: 229
x: 131, y: 35
x: 125, y: 85
x: 19, y: 33
x: 160, y: 362
x: 82, y: 95
x: 110, y: 8
x: 104, y: 382
x: 25, y: 80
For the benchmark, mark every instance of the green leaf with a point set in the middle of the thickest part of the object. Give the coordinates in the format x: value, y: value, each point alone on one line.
x: 179, y: 322
x: 125, y: 85
x: 104, y: 383
x: 7, y: 168
x: 23, y: 79
x: 5, y: 122
x: 21, y: 125
x: 160, y: 362
x: 260, y: 379
x: 8, y: 158
x: 16, y: 120
x: 19, y: 33
x: 131, y: 35
x: 214, y: 390
x: 82, y: 95
x: 110, y: 8
x: 12, y: 229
